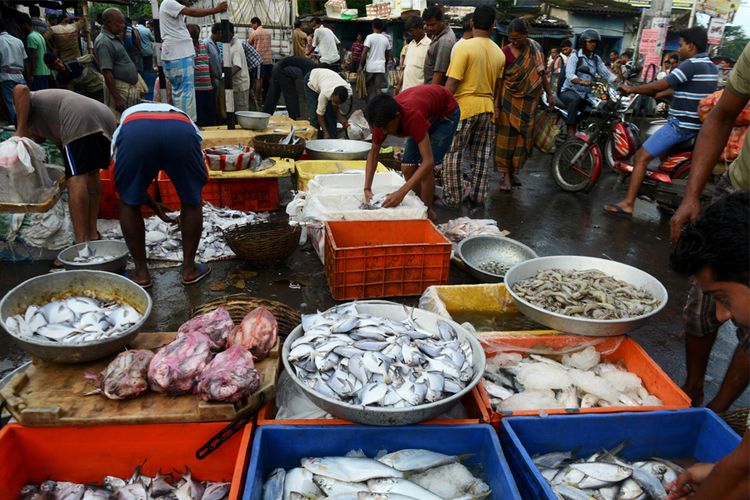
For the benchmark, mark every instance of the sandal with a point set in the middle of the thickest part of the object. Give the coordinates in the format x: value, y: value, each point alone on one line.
x: 515, y: 180
x: 203, y: 271
x: 145, y: 286
x: 617, y: 210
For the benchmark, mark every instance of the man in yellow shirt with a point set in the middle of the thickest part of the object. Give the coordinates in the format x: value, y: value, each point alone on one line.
x: 474, y: 77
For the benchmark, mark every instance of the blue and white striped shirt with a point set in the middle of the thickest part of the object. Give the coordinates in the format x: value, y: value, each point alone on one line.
x: 693, y: 80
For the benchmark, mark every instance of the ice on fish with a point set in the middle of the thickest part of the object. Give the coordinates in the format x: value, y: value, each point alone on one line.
x: 75, y: 319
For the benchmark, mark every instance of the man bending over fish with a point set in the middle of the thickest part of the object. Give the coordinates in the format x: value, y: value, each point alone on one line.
x: 428, y: 116
x: 153, y: 137
x: 715, y: 250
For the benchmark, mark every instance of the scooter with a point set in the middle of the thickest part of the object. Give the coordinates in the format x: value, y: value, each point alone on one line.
x: 605, y: 136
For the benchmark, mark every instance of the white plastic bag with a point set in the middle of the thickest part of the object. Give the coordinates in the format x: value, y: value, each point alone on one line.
x: 24, y: 177
x: 359, y: 129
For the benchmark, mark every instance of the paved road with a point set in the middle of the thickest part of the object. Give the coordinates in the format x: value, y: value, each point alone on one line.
x: 539, y: 214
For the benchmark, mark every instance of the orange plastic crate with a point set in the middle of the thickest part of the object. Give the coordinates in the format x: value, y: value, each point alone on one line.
x: 110, y: 206
x: 211, y: 192
x: 614, y: 349
x: 250, y: 195
x: 87, y: 454
x: 473, y: 403
x: 367, y: 259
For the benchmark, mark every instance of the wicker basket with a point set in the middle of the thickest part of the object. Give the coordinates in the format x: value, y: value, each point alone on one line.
x: 260, y: 243
x: 239, y: 304
x: 737, y: 420
x: 268, y: 146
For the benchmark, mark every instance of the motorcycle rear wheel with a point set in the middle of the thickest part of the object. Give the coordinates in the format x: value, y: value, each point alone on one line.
x: 568, y: 177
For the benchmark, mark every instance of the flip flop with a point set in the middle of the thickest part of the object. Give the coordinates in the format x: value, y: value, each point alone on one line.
x: 203, y: 271
x: 145, y: 286
x: 616, y: 210
x: 515, y: 180
x: 506, y: 186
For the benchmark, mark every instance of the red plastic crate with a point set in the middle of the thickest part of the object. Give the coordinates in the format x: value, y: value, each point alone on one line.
x: 211, y: 192
x: 367, y: 259
x: 110, y: 205
x: 250, y: 195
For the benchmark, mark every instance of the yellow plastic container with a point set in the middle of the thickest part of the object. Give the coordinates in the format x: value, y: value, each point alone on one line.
x: 308, y: 169
x: 486, y: 303
x: 283, y: 168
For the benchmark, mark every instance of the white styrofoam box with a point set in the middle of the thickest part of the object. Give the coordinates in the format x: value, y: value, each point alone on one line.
x: 353, y: 182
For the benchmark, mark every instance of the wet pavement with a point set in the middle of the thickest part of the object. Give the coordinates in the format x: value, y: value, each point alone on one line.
x: 539, y: 214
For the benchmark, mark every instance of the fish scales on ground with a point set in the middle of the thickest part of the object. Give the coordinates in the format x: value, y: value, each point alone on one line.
x: 367, y: 360
x: 74, y: 320
x: 588, y: 293
x: 176, y: 486
x: 164, y: 241
x: 126, y: 376
x: 580, y: 380
x: 605, y: 476
x: 430, y: 476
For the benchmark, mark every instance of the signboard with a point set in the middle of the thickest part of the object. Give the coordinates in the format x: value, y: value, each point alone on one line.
x: 716, y: 30
x: 676, y: 4
x: 719, y: 8
x: 652, y: 45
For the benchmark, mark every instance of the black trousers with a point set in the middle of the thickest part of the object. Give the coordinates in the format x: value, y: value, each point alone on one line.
x: 573, y: 102
x: 284, y: 82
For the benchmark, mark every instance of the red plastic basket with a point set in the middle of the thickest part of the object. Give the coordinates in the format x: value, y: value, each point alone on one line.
x: 250, y: 195
x: 367, y: 259
x: 110, y: 205
x: 211, y: 192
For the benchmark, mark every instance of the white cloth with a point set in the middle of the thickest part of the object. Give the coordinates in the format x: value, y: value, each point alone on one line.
x: 325, y: 41
x: 414, y: 63
x: 176, y: 41
x: 377, y: 44
x: 324, y: 82
x: 241, y: 79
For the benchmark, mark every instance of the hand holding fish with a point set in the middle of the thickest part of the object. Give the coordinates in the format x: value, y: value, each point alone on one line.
x: 394, y: 199
x: 687, y: 482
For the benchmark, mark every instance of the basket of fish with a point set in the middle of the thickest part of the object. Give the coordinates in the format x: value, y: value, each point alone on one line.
x: 489, y: 257
x: 627, y: 455
x: 100, y: 255
x: 381, y: 363
x: 121, y: 461
x: 424, y: 462
x: 74, y: 316
x: 570, y: 374
x: 585, y: 295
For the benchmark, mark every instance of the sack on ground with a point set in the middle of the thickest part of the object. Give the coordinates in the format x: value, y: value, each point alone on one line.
x: 546, y: 131
x: 24, y: 177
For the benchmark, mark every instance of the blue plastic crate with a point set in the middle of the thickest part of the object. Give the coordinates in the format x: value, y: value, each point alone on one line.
x: 695, y: 432
x: 284, y: 445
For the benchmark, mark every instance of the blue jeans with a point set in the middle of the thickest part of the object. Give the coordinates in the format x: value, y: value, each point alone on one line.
x: 311, y: 98
x: 441, y: 137
x: 667, y: 137
x: 7, y: 89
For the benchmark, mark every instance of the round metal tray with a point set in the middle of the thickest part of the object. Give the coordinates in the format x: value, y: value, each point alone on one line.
x: 476, y: 250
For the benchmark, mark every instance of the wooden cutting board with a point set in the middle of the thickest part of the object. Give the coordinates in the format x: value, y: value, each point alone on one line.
x: 48, y: 393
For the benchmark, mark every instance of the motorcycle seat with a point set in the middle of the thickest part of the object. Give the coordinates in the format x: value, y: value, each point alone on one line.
x: 684, y: 146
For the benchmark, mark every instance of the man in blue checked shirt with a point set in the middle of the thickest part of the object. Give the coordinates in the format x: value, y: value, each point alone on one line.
x: 582, y: 66
x: 694, y: 79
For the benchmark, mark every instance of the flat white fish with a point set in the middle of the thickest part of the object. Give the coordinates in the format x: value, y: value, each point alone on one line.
x: 349, y: 469
x: 416, y: 460
x: 299, y: 481
x: 401, y: 487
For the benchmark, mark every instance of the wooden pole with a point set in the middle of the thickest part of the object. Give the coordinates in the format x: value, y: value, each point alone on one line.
x: 88, y: 24
x: 157, y: 51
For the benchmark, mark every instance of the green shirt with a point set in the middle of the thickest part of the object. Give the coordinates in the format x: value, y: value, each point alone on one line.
x: 739, y: 83
x: 36, y: 42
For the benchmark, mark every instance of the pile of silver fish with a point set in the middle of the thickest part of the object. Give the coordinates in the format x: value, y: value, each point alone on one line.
x: 580, y: 380
x: 75, y: 319
x: 87, y: 255
x: 164, y: 241
x: 368, y: 360
x: 137, y: 487
x: 375, y: 202
x: 585, y: 294
x: 401, y: 475
x: 494, y: 267
x: 605, y: 476
x: 459, y: 229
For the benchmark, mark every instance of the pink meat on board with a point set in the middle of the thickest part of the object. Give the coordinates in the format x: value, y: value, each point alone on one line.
x: 216, y: 325
x: 257, y: 332
x: 126, y: 376
x: 175, y: 369
x: 229, y: 377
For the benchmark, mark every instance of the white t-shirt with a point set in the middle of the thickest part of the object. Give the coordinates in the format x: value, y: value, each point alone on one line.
x: 325, y: 41
x: 377, y: 44
x: 323, y: 82
x: 176, y: 41
x: 241, y: 79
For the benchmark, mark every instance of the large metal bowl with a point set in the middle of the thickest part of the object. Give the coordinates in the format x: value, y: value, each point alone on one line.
x: 48, y: 287
x: 252, y: 120
x: 117, y: 250
x: 477, y: 250
x: 371, y: 415
x: 338, y: 149
x: 585, y: 326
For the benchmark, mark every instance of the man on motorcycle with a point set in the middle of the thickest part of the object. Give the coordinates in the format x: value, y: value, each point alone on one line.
x: 583, y: 65
x: 694, y: 79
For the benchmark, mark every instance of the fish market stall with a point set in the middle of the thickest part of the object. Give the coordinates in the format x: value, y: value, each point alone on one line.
x: 426, y: 462
x: 218, y: 136
x: 646, y: 450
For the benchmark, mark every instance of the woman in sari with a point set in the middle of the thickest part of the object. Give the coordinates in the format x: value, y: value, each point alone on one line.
x: 523, y: 81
